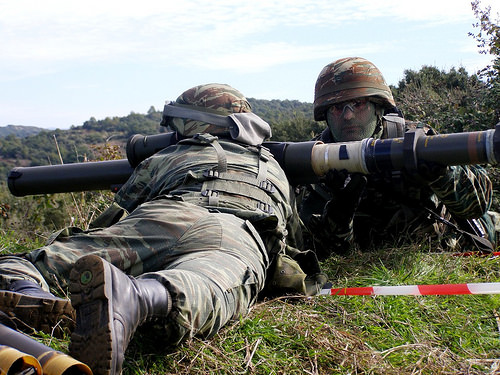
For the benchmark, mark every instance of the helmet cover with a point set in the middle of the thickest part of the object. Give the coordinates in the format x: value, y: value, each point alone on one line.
x: 214, y: 98
x: 346, y: 79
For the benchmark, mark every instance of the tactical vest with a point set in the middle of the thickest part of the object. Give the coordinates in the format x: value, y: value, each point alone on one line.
x: 225, y: 187
x: 263, y: 198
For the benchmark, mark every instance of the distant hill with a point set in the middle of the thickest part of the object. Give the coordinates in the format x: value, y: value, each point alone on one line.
x: 290, y: 120
x: 20, y: 131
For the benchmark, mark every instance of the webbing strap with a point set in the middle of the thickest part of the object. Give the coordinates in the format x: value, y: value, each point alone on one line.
x: 393, y: 126
x: 173, y: 109
x: 221, y: 157
x: 213, y: 197
x: 232, y: 176
x: 216, y: 199
x: 264, y: 201
x: 264, y: 156
x: 219, y: 180
x: 391, y: 129
x: 205, y: 138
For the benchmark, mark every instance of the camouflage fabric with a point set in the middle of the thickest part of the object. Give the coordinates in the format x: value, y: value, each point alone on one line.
x: 396, y: 207
x: 393, y: 206
x: 190, y: 165
x: 16, y: 267
x: 204, y: 217
x: 213, y: 98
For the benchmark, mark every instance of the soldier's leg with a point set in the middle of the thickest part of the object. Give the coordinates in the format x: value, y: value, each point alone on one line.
x: 212, y: 272
x: 216, y: 277
x: 110, y: 306
x: 142, y: 242
x: 26, y: 300
x: 17, y: 267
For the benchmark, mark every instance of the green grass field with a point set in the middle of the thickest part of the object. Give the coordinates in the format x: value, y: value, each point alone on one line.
x: 343, y: 334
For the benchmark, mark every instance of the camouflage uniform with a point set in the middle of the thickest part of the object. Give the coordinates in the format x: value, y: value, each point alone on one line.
x: 396, y: 207
x: 203, y: 217
x: 392, y: 206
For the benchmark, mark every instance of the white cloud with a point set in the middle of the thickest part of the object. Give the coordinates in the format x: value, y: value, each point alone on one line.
x: 264, y: 55
x: 51, y: 32
x: 54, y: 42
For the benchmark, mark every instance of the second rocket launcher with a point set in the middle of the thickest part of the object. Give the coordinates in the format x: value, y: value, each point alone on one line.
x: 376, y: 155
x: 303, y: 162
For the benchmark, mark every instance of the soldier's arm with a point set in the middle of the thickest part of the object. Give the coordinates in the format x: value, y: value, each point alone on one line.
x: 138, y: 188
x: 326, y: 230
x: 465, y: 190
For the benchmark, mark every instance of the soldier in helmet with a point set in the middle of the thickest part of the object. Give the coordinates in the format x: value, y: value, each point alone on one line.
x: 353, y: 98
x: 190, y: 239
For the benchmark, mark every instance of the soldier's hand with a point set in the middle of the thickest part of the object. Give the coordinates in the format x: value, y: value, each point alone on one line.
x: 335, y: 180
x: 347, y: 190
x: 430, y: 172
x: 425, y: 173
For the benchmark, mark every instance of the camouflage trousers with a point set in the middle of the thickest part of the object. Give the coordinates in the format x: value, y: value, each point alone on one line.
x: 213, y: 264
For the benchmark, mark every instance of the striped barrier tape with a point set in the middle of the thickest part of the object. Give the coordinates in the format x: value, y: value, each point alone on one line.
x: 477, y: 253
x: 416, y: 290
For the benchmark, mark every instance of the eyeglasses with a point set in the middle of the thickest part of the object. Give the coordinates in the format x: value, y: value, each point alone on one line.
x: 353, y: 105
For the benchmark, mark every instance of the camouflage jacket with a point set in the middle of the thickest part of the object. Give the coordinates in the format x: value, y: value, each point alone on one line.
x: 224, y: 176
x: 242, y: 180
x: 396, y: 206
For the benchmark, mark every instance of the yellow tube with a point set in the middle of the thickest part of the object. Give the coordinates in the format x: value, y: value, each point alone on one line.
x: 57, y: 363
x: 345, y: 155
x: 12, y: 361
x: 52, y: 362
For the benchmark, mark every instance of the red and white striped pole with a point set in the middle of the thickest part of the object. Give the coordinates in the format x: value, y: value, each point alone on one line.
x: 416, y: 290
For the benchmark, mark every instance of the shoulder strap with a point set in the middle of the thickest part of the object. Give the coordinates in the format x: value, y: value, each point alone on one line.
x: 393, y: 126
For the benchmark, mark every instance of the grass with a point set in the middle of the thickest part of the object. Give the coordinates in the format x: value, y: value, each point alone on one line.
x: 348, y: 334
x: 355, y: 334
x: 335, y: 334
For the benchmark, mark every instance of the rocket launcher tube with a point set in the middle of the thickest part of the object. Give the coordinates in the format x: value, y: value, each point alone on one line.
x: 376, y: 155
x: 63, y: 178
x: 302, y: 162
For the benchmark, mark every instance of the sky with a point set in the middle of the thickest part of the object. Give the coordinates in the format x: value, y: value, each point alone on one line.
x: 63, y: 62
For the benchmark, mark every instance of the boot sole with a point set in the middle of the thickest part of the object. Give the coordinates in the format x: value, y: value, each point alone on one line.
x: 91, y: 341
x: 51, y: 316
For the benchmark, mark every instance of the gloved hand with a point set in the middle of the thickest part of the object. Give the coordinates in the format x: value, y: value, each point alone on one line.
x: 347, y: 190
x: 332, y: 230
x: 430, y: 172
x: 425, y: 174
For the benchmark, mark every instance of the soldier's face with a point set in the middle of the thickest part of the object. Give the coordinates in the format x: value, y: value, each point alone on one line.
x: 352, y: 120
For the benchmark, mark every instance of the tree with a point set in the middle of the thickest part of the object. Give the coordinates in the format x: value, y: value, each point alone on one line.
x: 448, y: 101
x: 488, y: 39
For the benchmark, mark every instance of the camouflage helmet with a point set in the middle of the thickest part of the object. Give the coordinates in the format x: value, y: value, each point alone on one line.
x: 214, y: 98
x: 346, y: 79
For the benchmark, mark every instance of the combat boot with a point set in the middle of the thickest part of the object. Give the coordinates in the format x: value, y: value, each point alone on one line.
x: 30, y: 307
x: 109, y: 307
